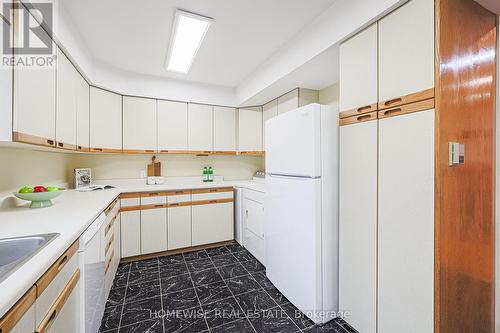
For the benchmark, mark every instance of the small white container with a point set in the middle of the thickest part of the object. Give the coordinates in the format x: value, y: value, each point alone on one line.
x: 151, y: 180
x: 159, y: 180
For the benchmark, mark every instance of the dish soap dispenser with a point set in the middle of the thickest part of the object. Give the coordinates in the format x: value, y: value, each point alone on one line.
x: 205, y: 174
x: 210, y: 174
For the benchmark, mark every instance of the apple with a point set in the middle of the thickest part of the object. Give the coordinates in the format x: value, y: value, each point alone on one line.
x: 38, y: 189
x: 26, y: 189
x: 52, y: 189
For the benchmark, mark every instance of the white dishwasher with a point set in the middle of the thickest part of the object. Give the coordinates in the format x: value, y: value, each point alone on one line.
x: 91, y: 258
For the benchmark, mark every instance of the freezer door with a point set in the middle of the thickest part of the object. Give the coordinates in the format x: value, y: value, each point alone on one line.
x: 292, y: 215
x: 293, y: 145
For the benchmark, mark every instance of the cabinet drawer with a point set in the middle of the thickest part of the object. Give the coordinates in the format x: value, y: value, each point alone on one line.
x: 63, y: 314
x: 53, y: 282
x: 21, y: 317
x: 153, y: 199
x: 109, y: 245
x: 109, y: 227
x: 211, y: 194
x: 179, y: 198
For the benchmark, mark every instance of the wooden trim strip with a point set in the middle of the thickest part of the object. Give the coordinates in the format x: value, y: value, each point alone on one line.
x: 139, y: 151
x: 105, y: 150
x: 200, y: 152
x: 109, y: 244
x: 83, y: 149
x: 153, y: 194
x: 220, y: 152
x: 153, y: 206
x: 110, y: 224
x: 407, y: 99
x: 179, y: 204
x: 177, y: 251
x: 182, y: 192
x: 12, y: 317
x: 360, y: 110
x: 358, y: 119
x: 65, y: 146
x: 209, y: 202
x: 252, y: 153
x: 408, y: 108
x: 111, y: 206
x: 162, y: 151
x: 129, y: 208
x: 59, y: 303
x: 32, y: 139
x: 130, y: 195
x: 213, y: 190
x: 108, y: 264
x: 44, y: 281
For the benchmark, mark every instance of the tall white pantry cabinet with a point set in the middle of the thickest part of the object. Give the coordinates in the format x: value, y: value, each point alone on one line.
x: 387, y: 173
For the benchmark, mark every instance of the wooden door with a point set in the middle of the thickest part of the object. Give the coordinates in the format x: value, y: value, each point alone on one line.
x: 465, y: 231
x: 358, y: 224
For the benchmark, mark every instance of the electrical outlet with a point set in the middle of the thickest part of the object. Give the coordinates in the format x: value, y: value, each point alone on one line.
x: 143, y: 173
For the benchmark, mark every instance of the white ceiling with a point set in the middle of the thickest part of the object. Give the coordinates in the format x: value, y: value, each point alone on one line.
x: 133, y: 35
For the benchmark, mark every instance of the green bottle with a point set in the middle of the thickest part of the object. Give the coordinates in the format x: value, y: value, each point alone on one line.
x: 205, y: 174
x: 210, y: 174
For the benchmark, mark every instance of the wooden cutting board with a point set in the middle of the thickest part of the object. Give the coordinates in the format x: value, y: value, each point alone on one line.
x: 154, y: 169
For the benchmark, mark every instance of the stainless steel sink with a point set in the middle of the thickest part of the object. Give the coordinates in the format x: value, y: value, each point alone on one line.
x: 17, y: 250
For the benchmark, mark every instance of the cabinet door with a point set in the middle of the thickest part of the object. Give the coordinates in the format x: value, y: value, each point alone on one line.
x: 250, y: 129
x: 82, y: 114
x: 224, y: 129
x: 105, y: 120
x: 406, y: 50
x: 26, y: 323
x: 172, y: 126
x: 179, y: 227
x: 269, y: 111
x: 35, y: 104
x: 68, y: 318
x: 212, y: 223
x: 153, y: 230
x: 358, y: 224
x: 406, y: 223
x: 359, y: 72
x: 67, y: 97
x: 131, y: 233
x: 139, y: 124
x: 288, y: 102
x: 200, y: 127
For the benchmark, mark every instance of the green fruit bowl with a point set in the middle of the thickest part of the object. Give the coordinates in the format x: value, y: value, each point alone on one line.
x: 38, y: 199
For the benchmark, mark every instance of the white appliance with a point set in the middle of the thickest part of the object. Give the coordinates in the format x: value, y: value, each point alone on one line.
x: 91, y: 258
x: 301, y: 208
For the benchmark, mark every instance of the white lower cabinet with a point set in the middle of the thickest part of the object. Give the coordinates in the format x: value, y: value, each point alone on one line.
x: 358, y: 225
x: 68, y: 316
x: 153, y: 230
x: 253, y: 223
x: 212, y: 223
x: 179, y: 227
x: 131, y: 233
x: 26, y: 324
x: 406, y: 223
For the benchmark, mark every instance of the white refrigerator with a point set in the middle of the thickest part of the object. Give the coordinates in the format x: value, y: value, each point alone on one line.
x: 301, y: 208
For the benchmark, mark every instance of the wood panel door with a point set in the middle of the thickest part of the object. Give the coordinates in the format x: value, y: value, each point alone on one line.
x: 465, y: 100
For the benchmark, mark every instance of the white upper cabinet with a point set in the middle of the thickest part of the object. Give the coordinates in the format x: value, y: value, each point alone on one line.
x: 224, y: 129
x: 67, y: 99
x: 358, y: 72
x: 82, y: 114
x: 406, y: 51
x: 200, y: 127
x: 139, y: 124
x: 288, y: 101
x: 172, y: 126
x: 105, y: 120
x: 250, y: 129
x: 35, y: 104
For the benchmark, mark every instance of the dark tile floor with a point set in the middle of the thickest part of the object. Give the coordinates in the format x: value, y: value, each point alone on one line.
x: 218, y: 290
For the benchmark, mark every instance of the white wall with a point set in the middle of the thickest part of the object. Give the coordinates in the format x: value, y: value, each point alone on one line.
x: 131, y: 166
x: 330, y: 96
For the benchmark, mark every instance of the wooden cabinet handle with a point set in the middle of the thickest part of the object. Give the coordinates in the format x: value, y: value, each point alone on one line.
x: 109, y: 244
x: 79, y: 147
x: 392, y: 111
x: 50, y: 142
x: 159, y: 206
x: 392, y: 101
x: 60, y: 144
x: 363, y: 117
x: 213, y: 201
x: 62, y: 263
x: 364, y: 108
x: 175, y: 204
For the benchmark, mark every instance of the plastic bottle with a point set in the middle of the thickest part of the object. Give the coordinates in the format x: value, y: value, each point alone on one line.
x: 210, y: 174
x: 205, y: 174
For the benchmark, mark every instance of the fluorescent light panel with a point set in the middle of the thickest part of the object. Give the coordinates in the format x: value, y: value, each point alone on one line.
x: 187, y: 35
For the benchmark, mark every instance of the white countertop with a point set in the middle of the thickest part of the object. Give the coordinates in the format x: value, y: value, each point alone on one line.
x: 70, y: 215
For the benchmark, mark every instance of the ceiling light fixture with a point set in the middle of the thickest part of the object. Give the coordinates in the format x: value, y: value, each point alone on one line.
x: 188, y: 33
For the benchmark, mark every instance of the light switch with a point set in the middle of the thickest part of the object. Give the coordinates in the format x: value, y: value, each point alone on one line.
x: 456, y: 153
